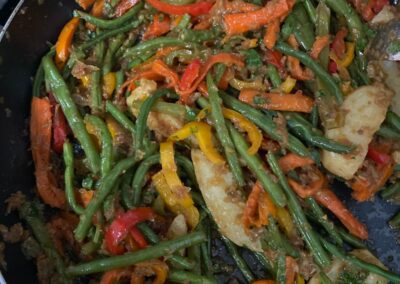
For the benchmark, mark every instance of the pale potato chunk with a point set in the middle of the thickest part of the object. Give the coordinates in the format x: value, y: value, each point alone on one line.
x: 364, y: 111
x: 216, y: 184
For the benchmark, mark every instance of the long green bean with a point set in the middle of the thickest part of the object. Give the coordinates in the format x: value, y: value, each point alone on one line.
x: 181, y: 276
x: 128, y: 259
x: 393, y: 119
x: 391, y: 193
x: 304, y: 58
x: 152, y: 44
x: 311, y: 11
x: 322, y: 29
x: 96, y: 92
x: 273, y: 75
x: 113, y: 46
x: 337, y: 252
x: 350, y: 239
x: 281, y: 269
x: 387, y: 131
x: 38, y: 81
x: 30, y: 213
x: 63, y: 96
x: 298, y: 216
x: 106, y: 185
x: 302, y: 27
x: 110, y: 24
x: 120, y: 117
x: 69, y: 178
x: 222, y: 131
x: 264, y: 261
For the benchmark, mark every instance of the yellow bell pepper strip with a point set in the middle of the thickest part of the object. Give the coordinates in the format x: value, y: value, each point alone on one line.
x: 64, y: 42
x: 109, y: 82
x: 177, y: 199
x: 288, y: 85
x: 299, y: 279
x: 168, y: 165
x: 253, y: 132
x: 203, y: 134
x: 285, y: 221
x: 203, y: 113
x: 240, y: 85
x: 348, y: 57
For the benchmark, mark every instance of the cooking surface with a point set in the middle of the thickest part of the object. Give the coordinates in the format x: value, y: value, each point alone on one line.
x: 24, y: 43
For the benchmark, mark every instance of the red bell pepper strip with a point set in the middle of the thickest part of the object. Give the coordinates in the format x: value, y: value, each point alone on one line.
x: 123, y: 225
x: 378, y: 157
x: 275, y: 58
x: 196, y: 9
x: 332, y: 67
x: 138, y: 237
x: 123, y: 6
x: 191, y: 73
x: 338, y: 45
x: 60, y: 130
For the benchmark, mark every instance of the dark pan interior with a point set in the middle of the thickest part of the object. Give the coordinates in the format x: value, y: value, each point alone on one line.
x: 26, y: 40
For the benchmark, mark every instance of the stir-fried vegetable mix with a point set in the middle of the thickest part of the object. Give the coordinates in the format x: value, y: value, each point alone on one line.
x: 159, y: 127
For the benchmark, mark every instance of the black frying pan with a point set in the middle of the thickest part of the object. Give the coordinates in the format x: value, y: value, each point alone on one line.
x: 24, y: 42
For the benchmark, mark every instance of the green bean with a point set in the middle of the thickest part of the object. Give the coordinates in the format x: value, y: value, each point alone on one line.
x: 141, y: 121
x: 354, y: 23
x: 393, y: 119
x: 113, y: 46
x: 388, y: 132
x: 298, y: 216
x: 107, y: 153
x: 305, y: 130
x: 322, y: 29
x: 119, y: 79
x: 194, y: 253
x: 255, y: 164
x: 324, y: 278
x: 29, y: 211
x: 150, y: 45
x: 322, y: 219
x: 314, y: 116
x: 184, y: 22
x: 188, y: 167
x: 219, y: 69
x: 392, y: 192
x: 340, y: 254
x: 183, y: 54
x: 273, y: 76
x: 63, y: 97
x: 395, y: 221
x: 281, y: 269
x: 264, y: 261
x: 312, y: 13
x: 128, y: 259
x: 110, y: 24
x: 350, y: 239
x: 302, y: 27
x: 69, y: 178
x: 106, y: 186
x: 327, y: 79
x: 358, y: 76
x: 286, y: 30
x: 197, y: 36
x: 96, y: 92
x: 265, y: 123
x: 222, y: 131
x: 38, y: 81
x: 241, y: 264
x: 120, y: 117
x: 176, y: 260
x: 206, y: 259
x: 181, y: 276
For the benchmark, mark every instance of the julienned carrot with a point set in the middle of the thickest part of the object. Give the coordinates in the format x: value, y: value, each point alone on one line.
x: 85, y: 4
x: 157, y: 27
x: 319, y: 44
x: 292, y: 161
x: 295, y: 68
x: 276, y: 101
x: 291, y: 267
x: 123, y: 6
x: 228, y: 75
x: 64, y: 41
x: 164, y: 51
x: 239, y: 6
x: 40, y: 134
x: 242, y: 22
x: 225, y: 58
x: 364, y: 189
x: 313, y: 188
x: 258, y: 208
x: 271, y: 34
x: 162, y: 69
x: 264, y: 282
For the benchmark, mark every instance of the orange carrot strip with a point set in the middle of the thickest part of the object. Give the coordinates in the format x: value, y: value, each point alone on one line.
x: 305, y: 191
x: 40, y: 134
x: 295, y: 68
x: 85, y: 4
x: 162, y: 69
x: 242, y: 22
x: 319, y: 44
x: 64, y: 41
x: 271, y: 34
x: 123, y: 6
x: 238, y: 6
x: 291, y: 267
x: 97, y: 11
x: 224, y: 82
x: 264, y: 282
x: 292, y: 161
x: 85, y: 196
x: 166, y: 50
x: 157, y: 27
x: 276, y: 101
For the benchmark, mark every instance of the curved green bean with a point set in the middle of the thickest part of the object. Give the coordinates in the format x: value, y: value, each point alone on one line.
x: 63, y: 97
x: 120, y: 117
x: 309, y: 236
x: 69, y: 178
x: 393, y: 119
x: 304, y: 58
x: 181, y: 276
x: 113, y: 46
x: 38, y: 81
x: 150, y: 45
x: 110, y: 24
x: 388, y: 132
x: 96, y: 91
x: 350, y: 239
x: 281, y: 269
x: 222, y: 131
x: 302, y: 27
x: 311, y: 11
x: 128, y: 259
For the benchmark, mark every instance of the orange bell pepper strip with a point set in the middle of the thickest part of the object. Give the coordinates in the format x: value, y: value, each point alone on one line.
x: 63, y: 44
x: 319, y: 44
x: 271, y: 34
x: 276, y: 101
x: 40, y: 135
x: 292, y: 161
x: 291, y: 269
x: 85, y: 4
x: 123, y: 6
x: 162, y: 69
x: 97, y: 11
x: 258, y: 208
x: 239, y: 23
x: 115, y: 275
x: 154, y: 267
x: 295, y: 68
x: 195, y: 9
x: 85, y: 196
x: 157, y: 27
